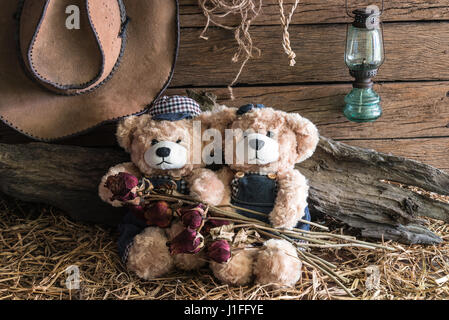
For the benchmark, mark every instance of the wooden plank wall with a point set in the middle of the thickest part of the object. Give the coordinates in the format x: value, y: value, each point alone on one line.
x: 413, y: 82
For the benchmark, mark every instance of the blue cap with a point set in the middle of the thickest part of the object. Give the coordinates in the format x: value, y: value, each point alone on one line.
x: 248, y: 107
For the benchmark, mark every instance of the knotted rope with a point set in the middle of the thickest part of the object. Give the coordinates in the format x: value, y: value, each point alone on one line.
x: 285, y: 22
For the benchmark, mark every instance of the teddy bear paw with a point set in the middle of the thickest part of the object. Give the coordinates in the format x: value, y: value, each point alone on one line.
x: 149, y: 256
x: 208, y: 189
x: 278, y: 264
x: 238, y: 270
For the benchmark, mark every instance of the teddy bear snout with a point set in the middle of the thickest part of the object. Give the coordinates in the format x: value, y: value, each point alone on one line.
x: 166, y: 155
x: 256, y: 148
x: 256, y: 144
x: 163, y: 152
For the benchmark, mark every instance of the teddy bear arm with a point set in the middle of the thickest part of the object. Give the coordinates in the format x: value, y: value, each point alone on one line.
x: 291, y: 200
x: 205, y: 186
x: 104, y: 193
x: 226, y: 175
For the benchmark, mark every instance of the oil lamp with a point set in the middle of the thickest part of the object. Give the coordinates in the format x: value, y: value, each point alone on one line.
x: 364, y: 54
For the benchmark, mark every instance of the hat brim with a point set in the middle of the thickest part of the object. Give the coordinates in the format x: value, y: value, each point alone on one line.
x: 145, y: 71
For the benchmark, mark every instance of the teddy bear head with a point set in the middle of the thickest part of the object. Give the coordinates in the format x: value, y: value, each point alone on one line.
x: 269, y: 140
x: 161, y: 141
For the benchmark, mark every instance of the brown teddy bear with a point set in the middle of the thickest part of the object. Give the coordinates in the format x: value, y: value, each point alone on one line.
x: 260, y: 176
x: 161, y: 147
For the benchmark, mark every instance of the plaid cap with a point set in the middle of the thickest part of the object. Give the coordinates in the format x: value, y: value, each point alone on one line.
x: 174, y: 108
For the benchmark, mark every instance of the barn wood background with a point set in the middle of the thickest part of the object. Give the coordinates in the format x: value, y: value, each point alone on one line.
x: 413, y: 82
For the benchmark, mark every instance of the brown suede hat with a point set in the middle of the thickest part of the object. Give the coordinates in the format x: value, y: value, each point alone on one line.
x: 61, y: 76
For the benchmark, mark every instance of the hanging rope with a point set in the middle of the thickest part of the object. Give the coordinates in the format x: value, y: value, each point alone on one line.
x: 285, y: 22
x: 214, y: 10
x: 248, y: 10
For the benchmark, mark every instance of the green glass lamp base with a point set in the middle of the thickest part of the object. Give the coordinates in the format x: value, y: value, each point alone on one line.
x: 362, y: 105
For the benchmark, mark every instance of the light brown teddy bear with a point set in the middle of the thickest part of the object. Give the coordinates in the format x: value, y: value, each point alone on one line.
x: 266, y: 145
x: 161, y: 147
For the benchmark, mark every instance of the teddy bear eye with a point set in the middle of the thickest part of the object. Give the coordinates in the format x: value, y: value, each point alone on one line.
x: 270, y: 134
x: 154, y: 141
x: 178, y: 141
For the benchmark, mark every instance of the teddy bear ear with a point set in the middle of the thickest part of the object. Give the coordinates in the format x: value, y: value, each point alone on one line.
x: 307, y: 135
x: 220, y: 117
x: 126, y: 129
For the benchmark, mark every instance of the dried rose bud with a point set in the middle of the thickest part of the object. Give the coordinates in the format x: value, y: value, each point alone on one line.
x: 219, y: 251
x: 213, y: 223
x: 192, y: 220
x: 159, y: 214
x: 188, y: 241
x: 192, y: 217
x: 121, y: 185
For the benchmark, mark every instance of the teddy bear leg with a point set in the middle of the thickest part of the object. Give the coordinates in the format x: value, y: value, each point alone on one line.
x: 185, y: 261
x: 238, y: 270
x: 278, y: 264
x: 149, y: 256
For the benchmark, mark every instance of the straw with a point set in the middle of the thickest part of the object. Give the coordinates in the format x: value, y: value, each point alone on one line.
x: 38, y: 243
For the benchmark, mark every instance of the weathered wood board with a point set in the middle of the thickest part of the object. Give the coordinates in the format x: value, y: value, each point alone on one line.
x: 415, y: 109
x: 414, y: 51
x: 326, y: 11
x: 410, y: 110
x: 415, y: 123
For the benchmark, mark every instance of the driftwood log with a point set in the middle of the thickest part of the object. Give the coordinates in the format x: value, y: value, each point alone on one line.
x: 66, y: 177
x: 349, y: 183
x: 345, y: 184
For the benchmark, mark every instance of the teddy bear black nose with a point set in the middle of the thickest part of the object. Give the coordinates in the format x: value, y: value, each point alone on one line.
x: 163, y: 152
x: 256, y: 144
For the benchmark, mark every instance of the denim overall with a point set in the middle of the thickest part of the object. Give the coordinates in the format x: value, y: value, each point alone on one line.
x: 258, y: 192
x: 134, y: 222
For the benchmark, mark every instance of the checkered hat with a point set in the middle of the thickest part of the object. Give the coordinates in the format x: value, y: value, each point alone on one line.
x: 174, y: 108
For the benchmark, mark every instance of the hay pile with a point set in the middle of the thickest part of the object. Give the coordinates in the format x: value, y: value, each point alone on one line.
x: 38, y: 243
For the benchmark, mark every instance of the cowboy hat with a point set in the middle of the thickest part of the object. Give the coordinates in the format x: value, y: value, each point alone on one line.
x: 60, y: 76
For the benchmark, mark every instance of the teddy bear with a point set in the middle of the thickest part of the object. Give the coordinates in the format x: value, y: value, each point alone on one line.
x: 160, y: 144
x: 260, y: 176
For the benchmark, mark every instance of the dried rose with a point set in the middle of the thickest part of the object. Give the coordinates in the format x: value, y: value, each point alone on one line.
x: 121, y: 185
x: 192, y: 217
x: 192, y: 220
x: 188, y: 241
x: 213, y: 223
x: 159, y: 214
x: 219, y: 251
